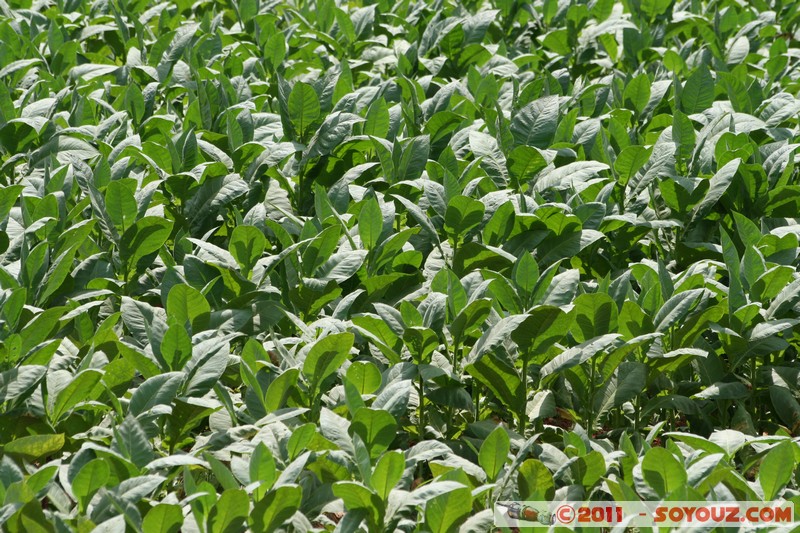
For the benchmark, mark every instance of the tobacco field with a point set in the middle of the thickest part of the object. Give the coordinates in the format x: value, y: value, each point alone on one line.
x: 365, y: 266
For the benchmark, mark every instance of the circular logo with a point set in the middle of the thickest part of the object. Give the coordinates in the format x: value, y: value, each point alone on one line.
x: 565, y: 514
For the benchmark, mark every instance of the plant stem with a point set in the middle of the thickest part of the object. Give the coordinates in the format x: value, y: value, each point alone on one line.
x: 523, y: 415
x: 420, y: 392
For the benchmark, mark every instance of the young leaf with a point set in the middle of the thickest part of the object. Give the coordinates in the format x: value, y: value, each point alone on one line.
x: 494, y: 452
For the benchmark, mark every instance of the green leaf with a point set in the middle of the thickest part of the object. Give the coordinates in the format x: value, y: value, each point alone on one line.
x: 130, y: 441
x: 163, y: 518
x: 8, y: 197
x: 365, y: 376
x: 341, y: 266
x: 275, y: 508
x: 526, y: 274
x: 209, y: 360
x: 143, y: 238
x: 184, y: 304
x: 589, y: 468
x: 326, y: 356
x: 89, y: 479
x: 413, y: 157
x: 248, y: 9
x: 304, y: 106
x: 30, y: 519
x: 387, y: 473
x: 230, y: 512
x: 500, y: 378
x: 120, y: 203
x: 358, y: 497
x: 262, y: 468
x: 79, y: 389
x: 301, y: 437
x: 677, y: 308
x: 16, y: 382
x: 471, y: 318
x: 421, y: 343
x: 637, y: 93
x: 445, y: 512
x: 463, y: 214
x: 524, y: 162
x: 662, y: 471
x: 377, y: 119
x: 776, y: 469
x: 494, y: 452
x: 419, y: 216
x: 158, y: 390
x: 279, y: 390
x: 535, y: 124
x: 370, y: 223
x: 376, y: 427
x: 247, y: 244
x: 630, y: 160
x: 176, y: 347
x: 543, y: 326
x: 334, y: 129
x: 786, y: 406
x: 595, y: 315
x: 535, y: 481
x: 698, y: 92
x: 35, y: 446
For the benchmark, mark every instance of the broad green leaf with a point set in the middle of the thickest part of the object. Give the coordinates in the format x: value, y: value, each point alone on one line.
x: 120, y: 204
x: 776, y: 469
x: 230, y: 512
x: 445, y: 512
x: 185, y: 303
x: 79, y: 389
x: 662, y: 471
x: 535, y: 124
x: 17, y: 382
x: 89, y: 479
x: 637, y: 93
x: 543, y: 326
x: 365, y: 376
x: 786, y: 406
x: 494, y: 452
x: 414, y: 156
x: 589, y: 468
x: 526, y: 274
x: 534, y: 480
x: 370, y: 223
x: 376, y: 427
x: 595, y: 315
x: 463, y: 214
x: 630, y: 160
x: 176, y: 347
x: 148, y: 235
x: 275, y: 508
x: 163, y: 518
x: 698, y: 92
x: 247, y: 244
x: 34, y: 447
x: 357, y: 497
x: 304, y: 106
x: 158, y: 390
x: 524, y: 162
x: 387, y: 473
x: 262, y: 468
x: 326, y: 356
x: 500, y: 378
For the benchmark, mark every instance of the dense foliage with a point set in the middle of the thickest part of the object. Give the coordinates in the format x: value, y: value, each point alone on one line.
x: 331, y: 266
